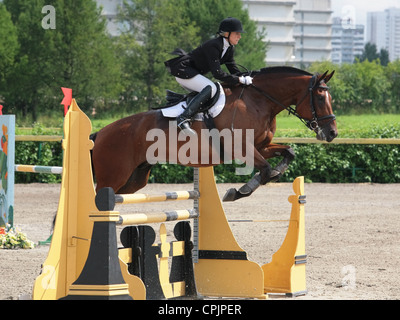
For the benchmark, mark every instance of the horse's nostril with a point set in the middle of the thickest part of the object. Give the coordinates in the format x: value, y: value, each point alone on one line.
x: 333, y: 133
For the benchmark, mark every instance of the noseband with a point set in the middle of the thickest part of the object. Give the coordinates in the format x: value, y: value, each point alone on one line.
x: 312, y: 124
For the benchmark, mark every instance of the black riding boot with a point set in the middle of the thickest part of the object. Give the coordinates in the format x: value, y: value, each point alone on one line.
x: 193, y: 107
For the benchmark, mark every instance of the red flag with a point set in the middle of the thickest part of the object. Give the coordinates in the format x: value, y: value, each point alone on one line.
x: 1, y: 110
x: 67, y: 99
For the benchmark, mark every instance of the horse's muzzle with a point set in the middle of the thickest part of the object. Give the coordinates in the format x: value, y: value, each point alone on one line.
x: 327, y: 133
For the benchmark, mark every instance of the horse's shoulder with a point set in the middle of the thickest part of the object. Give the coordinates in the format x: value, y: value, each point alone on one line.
x: 227, y: 90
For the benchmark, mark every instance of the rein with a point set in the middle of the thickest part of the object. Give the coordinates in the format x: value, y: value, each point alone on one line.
x: 310, y: 124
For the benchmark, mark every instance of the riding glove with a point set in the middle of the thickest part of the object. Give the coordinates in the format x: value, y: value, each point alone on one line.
x: 246, y: 80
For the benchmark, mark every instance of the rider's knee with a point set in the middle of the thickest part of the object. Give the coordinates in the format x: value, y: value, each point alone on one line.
x: 213, y: 90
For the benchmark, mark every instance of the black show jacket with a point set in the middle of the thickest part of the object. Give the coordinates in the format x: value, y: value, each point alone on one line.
x: 206, y: 58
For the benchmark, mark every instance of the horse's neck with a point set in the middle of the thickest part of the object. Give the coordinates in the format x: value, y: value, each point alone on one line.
x: 287, y: 90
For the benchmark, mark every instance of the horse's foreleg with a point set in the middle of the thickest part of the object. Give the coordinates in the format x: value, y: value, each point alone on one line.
x: 266, y: 174
x: 276, y: 150
x: 258, y: 179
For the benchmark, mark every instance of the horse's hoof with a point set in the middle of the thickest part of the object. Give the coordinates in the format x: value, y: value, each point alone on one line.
x: 230, y: 195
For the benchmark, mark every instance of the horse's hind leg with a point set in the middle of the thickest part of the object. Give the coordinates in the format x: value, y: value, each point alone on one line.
x: 137, y: 180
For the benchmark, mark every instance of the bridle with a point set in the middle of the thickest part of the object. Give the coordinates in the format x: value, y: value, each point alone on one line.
x: 312, y: 124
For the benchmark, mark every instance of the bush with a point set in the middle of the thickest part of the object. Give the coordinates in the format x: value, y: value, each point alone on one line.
x: 332, y: 163
x: 363, y: 86
x: 345, y: 163
x: 40, y: 154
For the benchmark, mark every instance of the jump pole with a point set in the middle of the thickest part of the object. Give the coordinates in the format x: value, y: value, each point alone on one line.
x: 38, y: 169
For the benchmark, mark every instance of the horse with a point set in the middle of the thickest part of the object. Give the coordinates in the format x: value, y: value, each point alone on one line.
x: 119, y: 154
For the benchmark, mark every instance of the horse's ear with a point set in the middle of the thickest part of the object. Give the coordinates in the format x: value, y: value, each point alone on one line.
x: 321, y: 77
x: 328, y: 77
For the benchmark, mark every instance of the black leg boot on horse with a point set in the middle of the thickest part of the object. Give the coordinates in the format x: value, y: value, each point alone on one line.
x: 194, y: 106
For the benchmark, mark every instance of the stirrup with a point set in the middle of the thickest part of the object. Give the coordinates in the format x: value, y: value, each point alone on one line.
x: 184, y: 126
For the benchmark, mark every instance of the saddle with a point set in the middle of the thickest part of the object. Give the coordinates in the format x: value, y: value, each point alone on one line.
x: 174, y: 98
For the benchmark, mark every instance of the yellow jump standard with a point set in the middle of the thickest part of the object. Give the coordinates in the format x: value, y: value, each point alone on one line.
x: 71, y: 269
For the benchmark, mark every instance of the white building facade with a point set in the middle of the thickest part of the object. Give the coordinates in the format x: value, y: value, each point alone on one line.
x: 313, y: 31
x: 383, y: 30
x: 299, y: 32
x: 278, y: 19
x: 347, y: 41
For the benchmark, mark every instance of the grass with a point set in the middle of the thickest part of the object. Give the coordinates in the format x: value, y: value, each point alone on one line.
x: 349, y: 126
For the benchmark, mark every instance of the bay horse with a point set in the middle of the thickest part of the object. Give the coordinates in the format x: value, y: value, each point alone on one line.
x: 119, y: 154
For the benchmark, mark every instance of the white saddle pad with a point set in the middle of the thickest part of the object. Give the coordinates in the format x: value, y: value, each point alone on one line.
x: 215, y: 110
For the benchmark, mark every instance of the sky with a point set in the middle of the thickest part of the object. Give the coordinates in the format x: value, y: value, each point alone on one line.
x: 361, y: 7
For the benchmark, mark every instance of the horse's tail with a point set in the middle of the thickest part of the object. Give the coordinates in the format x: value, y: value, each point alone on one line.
x: 92, y: 137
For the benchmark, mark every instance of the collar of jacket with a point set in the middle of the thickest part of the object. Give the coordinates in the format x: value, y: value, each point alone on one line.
x: 226, y: 46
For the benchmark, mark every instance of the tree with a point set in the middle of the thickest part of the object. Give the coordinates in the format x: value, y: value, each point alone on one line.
x: 155, y: 28
x: 393, y: 75
x: 8, y: 45
x: 76, y: 54
x: 27, y: 77
x: 85, y: 58
x: 370, y: 53
x: 384, y: 57
x: 363, y: 86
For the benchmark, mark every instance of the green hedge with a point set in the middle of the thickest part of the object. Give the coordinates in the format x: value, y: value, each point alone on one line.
x: 38, y: 153
x: 345, y: 163
x: 316, y: 162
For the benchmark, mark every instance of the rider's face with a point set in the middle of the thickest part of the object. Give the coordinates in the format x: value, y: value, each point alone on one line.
x: 234, y: 38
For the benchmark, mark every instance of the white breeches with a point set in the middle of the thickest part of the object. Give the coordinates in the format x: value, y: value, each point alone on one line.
x: 197, y: 83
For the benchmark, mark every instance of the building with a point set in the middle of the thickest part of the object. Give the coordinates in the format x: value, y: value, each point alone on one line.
x: 278, y: 19
x: 298, y: 32
x: 110, y: 12
x: 313, y: 31
x: 383, y: 30
x: 347, y: 41
x: 393, y: 33
x: 376, y: 29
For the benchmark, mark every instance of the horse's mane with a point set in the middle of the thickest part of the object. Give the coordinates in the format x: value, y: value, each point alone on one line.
x: 273, y: 70
x: 281, y: 69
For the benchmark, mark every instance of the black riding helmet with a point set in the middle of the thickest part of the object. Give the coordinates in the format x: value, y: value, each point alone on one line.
x: 231, y: 25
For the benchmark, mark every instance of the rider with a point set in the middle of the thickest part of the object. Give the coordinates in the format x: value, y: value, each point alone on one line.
x: 189, y: 69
